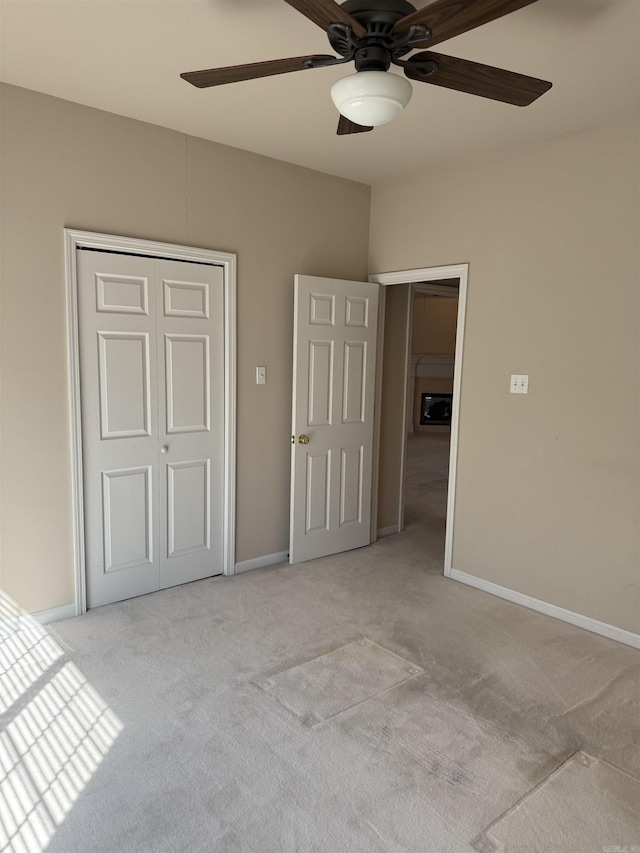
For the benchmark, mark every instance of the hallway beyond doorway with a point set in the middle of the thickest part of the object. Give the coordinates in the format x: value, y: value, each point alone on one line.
x: 425, y: 495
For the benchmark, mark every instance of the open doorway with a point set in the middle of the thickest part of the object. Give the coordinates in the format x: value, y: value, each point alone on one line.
x: 401, y: 404
x: 430, y: 369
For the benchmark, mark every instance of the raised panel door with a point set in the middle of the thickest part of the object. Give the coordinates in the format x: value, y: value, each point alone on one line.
x: 119, y: 404
x: 191, y: 403
x: 152, y: 401
x: 335, y: 331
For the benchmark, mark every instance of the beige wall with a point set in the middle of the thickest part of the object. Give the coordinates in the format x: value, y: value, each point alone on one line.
x: 547, y: 493
x: 68, y: 165
x: 434, y: 325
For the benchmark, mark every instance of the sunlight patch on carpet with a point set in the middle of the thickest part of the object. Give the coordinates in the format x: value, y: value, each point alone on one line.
x: 55, y: 731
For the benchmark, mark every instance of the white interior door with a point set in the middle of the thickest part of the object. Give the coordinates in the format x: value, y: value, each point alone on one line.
x: 152, y: 403
x: 334, y: 358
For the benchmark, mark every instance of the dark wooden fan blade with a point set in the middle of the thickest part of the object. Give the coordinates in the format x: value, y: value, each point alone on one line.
x: 477, y: 79
x: 326, y: 12
x: 345, y: 125
x: 235, y: 73
x: 449, y: 18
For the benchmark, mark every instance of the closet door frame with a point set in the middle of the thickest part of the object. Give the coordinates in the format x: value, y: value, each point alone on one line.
x: 75, y: 240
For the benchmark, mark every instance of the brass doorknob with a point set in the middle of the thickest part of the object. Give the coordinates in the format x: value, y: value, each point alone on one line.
x: 303, y: 439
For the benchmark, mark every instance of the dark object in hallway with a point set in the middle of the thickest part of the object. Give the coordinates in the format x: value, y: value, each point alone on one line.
x: 435, y: 409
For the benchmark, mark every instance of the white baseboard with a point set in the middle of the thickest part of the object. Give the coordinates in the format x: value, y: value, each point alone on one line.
x: 44, y: 617
x: 586, y: 622
x: 261, y: 562
x: 387, y: 531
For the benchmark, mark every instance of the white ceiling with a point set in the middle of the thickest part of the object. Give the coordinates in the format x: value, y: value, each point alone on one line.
x: 124, y: 56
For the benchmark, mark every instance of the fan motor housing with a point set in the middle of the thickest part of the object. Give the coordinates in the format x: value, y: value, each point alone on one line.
x: 380, y: 11
x: 373, y: 51
x: 378, y: 16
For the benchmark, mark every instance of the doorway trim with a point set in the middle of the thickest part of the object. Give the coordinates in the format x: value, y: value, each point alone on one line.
x: 416, y: 276
x: 75, y: 240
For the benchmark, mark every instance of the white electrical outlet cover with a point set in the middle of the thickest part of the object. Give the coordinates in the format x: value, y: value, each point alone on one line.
x: 519, y: 383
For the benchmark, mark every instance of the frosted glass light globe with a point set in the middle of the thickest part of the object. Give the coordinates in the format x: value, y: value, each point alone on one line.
x: 370, y: 98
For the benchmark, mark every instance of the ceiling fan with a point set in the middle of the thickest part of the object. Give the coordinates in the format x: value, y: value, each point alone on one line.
x: 377, y: 33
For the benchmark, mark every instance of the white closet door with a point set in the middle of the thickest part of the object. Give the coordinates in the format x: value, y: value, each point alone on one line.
x: 117, y: 314
x: 152, y: 389
x: 191, y: 399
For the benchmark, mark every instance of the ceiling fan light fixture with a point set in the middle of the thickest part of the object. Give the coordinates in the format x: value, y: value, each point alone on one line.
x: 371, y: 98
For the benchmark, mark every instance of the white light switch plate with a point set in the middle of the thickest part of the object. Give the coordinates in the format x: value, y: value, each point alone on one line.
x: 519, y: 383
x: 261, y: 375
